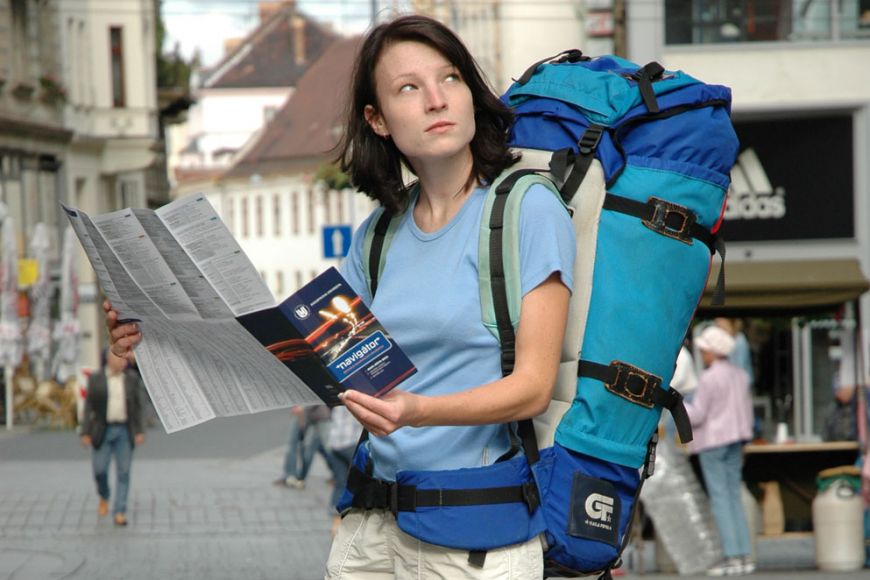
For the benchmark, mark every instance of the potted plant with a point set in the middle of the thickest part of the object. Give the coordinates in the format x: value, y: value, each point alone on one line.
x: 52, y: 91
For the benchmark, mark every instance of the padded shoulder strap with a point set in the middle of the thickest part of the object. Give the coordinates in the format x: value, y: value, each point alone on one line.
x: 499, y: 256
x: 378, y: 237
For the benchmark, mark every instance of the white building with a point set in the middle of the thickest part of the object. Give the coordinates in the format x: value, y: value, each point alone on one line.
x: 507, y: 37
x: 239, y: 95
x: 78, y: 120
x: 286, y: 219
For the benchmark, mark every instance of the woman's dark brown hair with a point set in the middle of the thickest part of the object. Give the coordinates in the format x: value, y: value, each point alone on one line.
x: 373, y: 163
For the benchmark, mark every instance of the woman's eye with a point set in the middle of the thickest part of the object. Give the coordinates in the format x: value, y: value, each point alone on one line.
x: 406, y: 88
x: 453, y: 78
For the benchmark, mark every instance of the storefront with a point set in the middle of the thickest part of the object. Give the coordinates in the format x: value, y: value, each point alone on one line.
x: 795, y: 278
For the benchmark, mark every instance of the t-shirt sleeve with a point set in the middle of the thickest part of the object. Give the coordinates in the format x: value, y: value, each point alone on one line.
x: 547, y: 239
x: 352, y: 266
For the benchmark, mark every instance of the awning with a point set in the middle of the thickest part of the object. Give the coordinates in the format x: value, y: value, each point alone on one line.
x: 788, y: 286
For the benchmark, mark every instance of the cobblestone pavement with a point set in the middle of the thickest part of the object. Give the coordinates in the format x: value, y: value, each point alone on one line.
x: 189, y: 517
x: 202, y: 506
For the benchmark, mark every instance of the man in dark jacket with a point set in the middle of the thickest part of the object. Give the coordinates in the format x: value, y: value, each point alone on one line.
x: 113, y: 426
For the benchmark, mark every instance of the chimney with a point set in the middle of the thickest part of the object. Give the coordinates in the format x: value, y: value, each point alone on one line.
x: 297, y: 27
x: 231, y: 44
x: 267, y: 9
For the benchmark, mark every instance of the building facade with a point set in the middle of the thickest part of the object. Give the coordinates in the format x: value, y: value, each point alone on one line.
x: 281, y: 197
x: 78, y: 122
x: 507, y: 36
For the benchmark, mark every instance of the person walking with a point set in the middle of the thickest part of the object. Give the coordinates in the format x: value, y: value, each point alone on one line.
x: 344, y: 432
x: 721, y: 416
x: 419, y: 105
x: 290, y: 475
x: 113, y: 426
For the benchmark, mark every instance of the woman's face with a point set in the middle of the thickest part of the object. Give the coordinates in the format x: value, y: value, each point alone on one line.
x: 425, y: 105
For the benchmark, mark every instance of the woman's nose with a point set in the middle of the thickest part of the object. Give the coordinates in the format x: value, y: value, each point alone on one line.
x: 435, y: 99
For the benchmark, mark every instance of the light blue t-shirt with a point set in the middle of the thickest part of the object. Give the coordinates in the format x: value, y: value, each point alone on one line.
x: 428, y: 300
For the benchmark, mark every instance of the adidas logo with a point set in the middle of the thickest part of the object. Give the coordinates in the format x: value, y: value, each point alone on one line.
x: 751, y: 196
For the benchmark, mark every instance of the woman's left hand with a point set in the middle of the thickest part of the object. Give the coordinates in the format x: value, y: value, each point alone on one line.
x: 381, y: 416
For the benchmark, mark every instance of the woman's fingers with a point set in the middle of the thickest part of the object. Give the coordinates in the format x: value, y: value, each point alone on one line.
x: 369, y: 411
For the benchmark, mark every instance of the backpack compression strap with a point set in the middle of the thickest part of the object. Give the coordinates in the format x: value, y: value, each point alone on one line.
x: 639, y: 387
x: 661, y: 216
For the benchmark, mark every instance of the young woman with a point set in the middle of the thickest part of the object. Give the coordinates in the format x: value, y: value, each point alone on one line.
x: 419, y: 103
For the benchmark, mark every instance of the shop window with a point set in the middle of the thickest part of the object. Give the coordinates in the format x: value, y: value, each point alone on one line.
x: 723, y: 21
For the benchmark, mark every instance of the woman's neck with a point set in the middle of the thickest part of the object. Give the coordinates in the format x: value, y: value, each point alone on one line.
x: 444, y: 187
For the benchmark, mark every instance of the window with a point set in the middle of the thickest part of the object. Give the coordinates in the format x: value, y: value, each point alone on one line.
x: 719, y: 21
x: 276, y: 215
x: 298, y: 279
x: 311, y: 210
x: 258, y: 210
x: 339, y: 200
x: 279, y: 283
x: 244, y: 217
x: 19, y: 59
x: 129, y: 193
x: 327, y: 206
x: 231, y: 215
x: 294, y: 213
x: 116, y: 43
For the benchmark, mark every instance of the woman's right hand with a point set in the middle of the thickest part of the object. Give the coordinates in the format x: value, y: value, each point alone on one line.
x: 122, y: 337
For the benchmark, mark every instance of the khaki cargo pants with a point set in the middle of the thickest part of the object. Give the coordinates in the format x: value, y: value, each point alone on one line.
x: 370, y: 546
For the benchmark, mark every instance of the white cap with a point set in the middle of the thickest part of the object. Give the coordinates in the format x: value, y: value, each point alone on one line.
x: 716, y: 340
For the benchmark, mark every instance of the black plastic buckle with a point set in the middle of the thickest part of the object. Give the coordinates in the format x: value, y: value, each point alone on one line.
x: 589, y: 141
x: 633, y: 384
x: 662, y: 221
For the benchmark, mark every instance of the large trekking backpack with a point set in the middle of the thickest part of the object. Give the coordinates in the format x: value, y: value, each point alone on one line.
x: 642, y: 158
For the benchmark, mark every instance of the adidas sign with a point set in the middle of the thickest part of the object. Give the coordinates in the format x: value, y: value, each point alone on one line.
x: 751, y: 195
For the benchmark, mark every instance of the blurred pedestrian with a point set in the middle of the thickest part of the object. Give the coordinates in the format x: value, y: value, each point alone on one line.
x: 344, y: 432
x: 113, y: 426
x: 291, y: 474
x: 685, y: 380
x: 309, y: 432
x: 721, y: 416
x: 316, y: 439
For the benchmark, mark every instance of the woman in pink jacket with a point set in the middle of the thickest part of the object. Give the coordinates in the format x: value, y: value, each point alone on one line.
x: 721, y: 415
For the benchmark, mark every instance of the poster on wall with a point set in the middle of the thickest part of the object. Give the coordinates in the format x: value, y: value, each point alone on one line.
x: 794, y: 180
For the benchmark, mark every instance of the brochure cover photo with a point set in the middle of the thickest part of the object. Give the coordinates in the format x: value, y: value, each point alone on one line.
x: 333, y: 342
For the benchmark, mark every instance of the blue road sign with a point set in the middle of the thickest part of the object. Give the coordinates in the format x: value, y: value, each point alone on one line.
x: 336, y: 241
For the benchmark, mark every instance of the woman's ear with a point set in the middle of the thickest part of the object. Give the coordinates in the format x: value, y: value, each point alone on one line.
x: 376, y: 121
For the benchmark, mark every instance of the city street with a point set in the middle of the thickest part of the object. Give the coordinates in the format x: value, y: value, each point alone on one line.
x: 202, y: 506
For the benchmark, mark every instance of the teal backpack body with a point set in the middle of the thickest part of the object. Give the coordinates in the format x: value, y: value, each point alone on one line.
x: 641, y: 158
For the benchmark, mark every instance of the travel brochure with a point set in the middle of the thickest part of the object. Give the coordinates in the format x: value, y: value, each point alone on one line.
x: 206, y: 316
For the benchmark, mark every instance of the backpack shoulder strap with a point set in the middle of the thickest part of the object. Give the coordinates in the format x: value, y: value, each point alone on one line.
x: 499, y: 256
x: 378, y: 237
